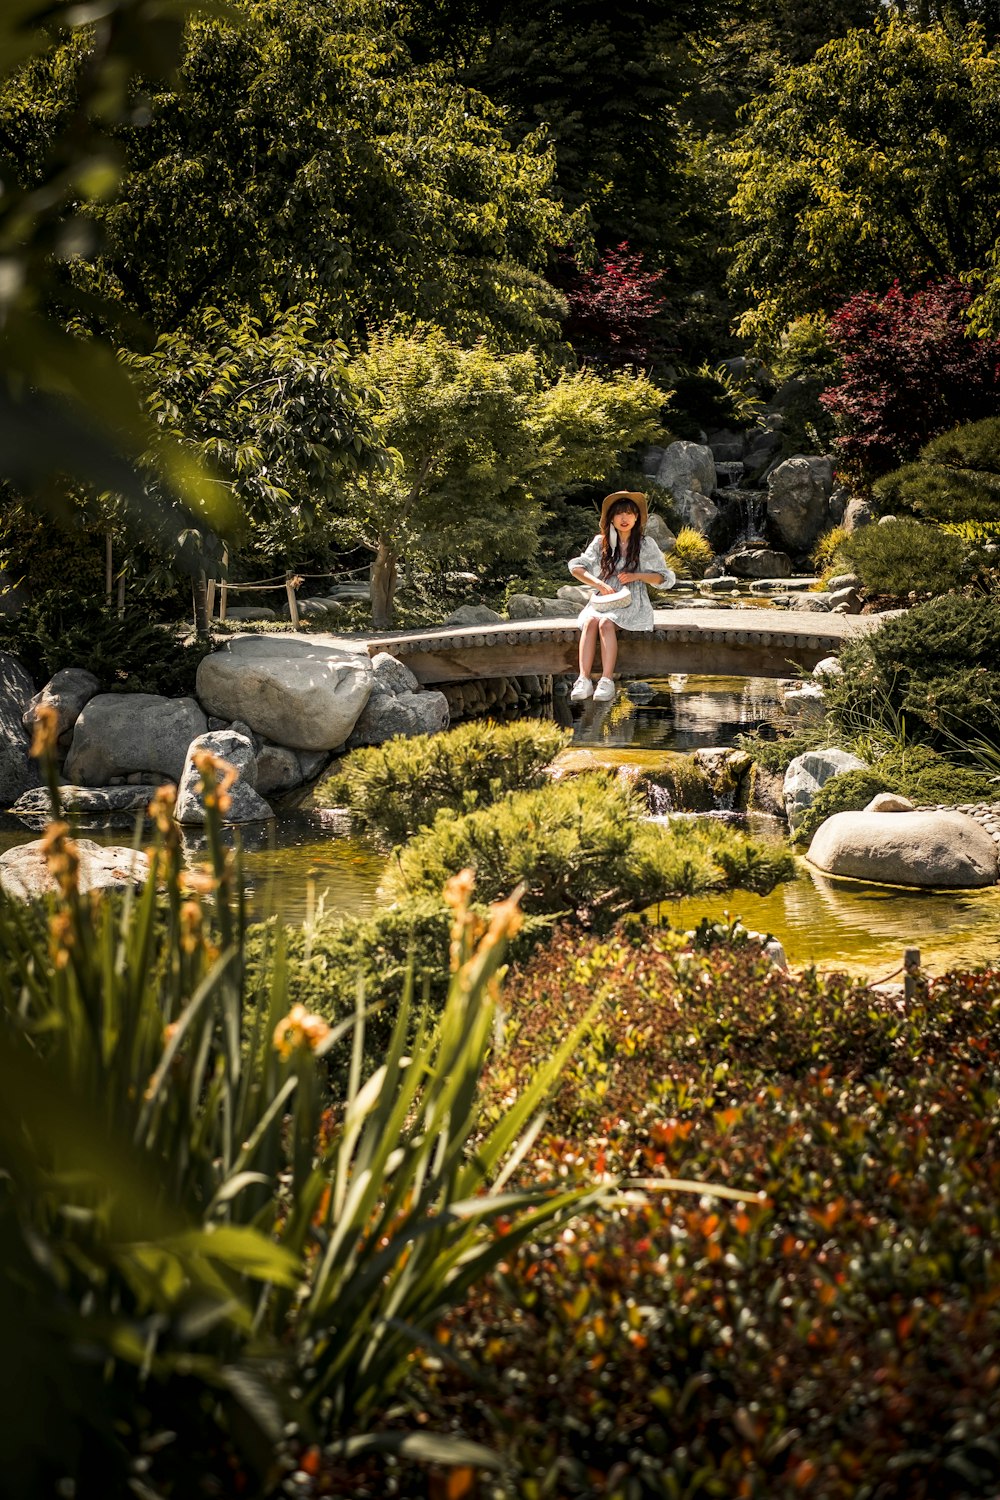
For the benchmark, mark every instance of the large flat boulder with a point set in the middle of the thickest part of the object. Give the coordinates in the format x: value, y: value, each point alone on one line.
x: 24, y: 872
x: 942, y: 850
x: 17, y: 771
x: 798, y: 492
x: 120, y: 733
x: 687, y: 466
x: 296, y: 690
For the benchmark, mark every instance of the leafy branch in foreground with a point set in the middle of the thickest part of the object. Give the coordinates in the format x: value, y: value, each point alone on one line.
x: 247, y: 1263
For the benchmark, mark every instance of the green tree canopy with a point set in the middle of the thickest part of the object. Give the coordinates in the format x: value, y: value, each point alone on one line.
x: 878, y: 159
x: 475, y: 440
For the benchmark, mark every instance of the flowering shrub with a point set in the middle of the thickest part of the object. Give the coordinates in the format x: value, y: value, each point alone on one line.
x: 911, y: 370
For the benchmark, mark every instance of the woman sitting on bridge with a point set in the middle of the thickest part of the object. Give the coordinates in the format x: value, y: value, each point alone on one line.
x: 619, y: 563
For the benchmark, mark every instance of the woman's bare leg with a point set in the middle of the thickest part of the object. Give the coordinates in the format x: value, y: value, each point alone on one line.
x: 609, y: 646
x: 588, y: 646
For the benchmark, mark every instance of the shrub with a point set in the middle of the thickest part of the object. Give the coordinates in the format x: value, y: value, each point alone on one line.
x: 580, y: 846
x: 933, y: 668
x: 955, y: 478
x: 129, y: 653
x: 904, y: 557
x: 912, y: 369
x: 712, y: 397
x: 836, y: 1337
x: 806, y: 357
x: 824, y: 554
x: 398, y: 787
x: 691, y: 554
x: 776, y: 755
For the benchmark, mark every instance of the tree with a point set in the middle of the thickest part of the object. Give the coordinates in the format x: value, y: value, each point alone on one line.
x: 614, y: 309
x: 303, y: 157
x: 880, y: 159
x: 476, y: 440
x: 911, y: 369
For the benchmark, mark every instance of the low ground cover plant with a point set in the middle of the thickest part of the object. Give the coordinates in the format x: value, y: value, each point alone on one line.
x: 398, y: 787
x: 836, y: 1338
x: 581, y: 845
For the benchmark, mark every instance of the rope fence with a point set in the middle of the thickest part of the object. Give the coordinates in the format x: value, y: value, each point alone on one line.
x: 289, y: 584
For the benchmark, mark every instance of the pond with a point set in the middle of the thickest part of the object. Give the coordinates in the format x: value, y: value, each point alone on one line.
x: 302, y: 859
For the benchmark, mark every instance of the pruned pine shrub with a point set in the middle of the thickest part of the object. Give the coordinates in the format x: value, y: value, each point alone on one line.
x: 931, y: 670
x: 691, y: 554
x: 955, y: 478
x: 904, y: 557
x: 581, y: 846
x: 400, y: 786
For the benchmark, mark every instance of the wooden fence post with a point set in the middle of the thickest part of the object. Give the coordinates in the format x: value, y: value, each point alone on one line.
x: 914, y: 983
x: 210, y: 599
x: 293, y: 603
x: 224, y: 584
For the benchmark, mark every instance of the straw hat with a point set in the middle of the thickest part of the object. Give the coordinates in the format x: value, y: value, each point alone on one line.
x: 638, y: 500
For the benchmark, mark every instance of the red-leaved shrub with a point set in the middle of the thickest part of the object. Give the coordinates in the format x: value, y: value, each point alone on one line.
x: 912, y: 369
x: 614, y: 308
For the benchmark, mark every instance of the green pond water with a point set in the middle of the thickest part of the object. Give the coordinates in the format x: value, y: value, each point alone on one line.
x: 303, y: 860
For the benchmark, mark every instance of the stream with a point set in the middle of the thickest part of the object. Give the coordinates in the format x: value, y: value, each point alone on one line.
x: 300, y: 862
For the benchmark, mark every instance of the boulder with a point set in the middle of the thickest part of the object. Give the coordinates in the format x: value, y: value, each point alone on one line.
x: 302, y: 691
x: 685, y: 467
x: 67, y: 692
x: 392, y: 674
x: 576, y: 594
x: 531, y: 607
x: 828, y: 667
x: 118, y: 733
x: 24, y: 872
x: 806, y: 701
x: 817, y: 602
x: 659, y: 532
x: 727, y: 447
x: 837, y: 505
x: 844, y: 581
x: 388, y: 714
x: 759, y: 562
x: 807, y: 773
x: 473, y: 614
x: 797, y: 494
x: 721, y: 583
x: 278, y: 769
x: 246, y: 805
x: 857, y: 513
x: 849, y: 597
x: 761, y: 450
x: 116, y: 805
x: 17, y: 770
x: 246, y: 612
x: 697, y: 510
x: 941, y: 850
x: 887, y: 802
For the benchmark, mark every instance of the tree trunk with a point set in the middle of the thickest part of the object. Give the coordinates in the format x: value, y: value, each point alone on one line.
x: 199, y: 588
x: 383, y: 585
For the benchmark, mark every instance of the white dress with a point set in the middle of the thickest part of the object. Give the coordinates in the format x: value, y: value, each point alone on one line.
x: 638, y: 614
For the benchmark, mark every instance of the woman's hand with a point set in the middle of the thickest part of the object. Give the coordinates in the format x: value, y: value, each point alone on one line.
x: 630, y: 577
x: 605, y: 588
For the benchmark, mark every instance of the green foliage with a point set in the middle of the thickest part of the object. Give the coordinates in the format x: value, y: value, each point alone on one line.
x: 475, y: 439
x: 837, y: 191
x: 776, y: 755
x: 400, y: 786
x: 825, y: 554
x: 906, y: 556
x: 581, y: 846
x: 66, y: 405
x: 249, y: 1271
x: 933, y: 668
x: 805, y: 364
x: 691, y: 554
x: 711, y: 397
x: 128, y: 653
x: 955, y: 478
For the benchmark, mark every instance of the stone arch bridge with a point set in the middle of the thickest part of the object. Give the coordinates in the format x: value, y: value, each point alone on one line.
x: 701, y: 642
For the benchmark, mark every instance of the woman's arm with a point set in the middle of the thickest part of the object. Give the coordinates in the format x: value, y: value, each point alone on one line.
x: 653, y: 578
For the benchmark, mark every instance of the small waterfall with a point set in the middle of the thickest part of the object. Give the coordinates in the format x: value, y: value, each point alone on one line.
x: 659, y: 799
x: 751, y: 515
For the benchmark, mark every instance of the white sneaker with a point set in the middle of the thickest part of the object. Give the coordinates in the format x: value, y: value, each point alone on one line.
x: 605, y: 690
x: 581, y: 689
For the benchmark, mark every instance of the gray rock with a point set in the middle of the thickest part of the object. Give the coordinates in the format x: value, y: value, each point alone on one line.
x: 473, y: 614
x: 857, y: 513
x: 67, y: 693
x: 941, y: 850
x: 685, y: 467
x: 17, y: 771
x: 761, y: 450
x: 817, y: 602
x: 759, y: 562
x: 247, y: 806
x: 797, y: 494
x: 278, y: 769
x: 117, y: 733
x: 387, y: 715
x: 806, y: 701
x: 723, y: 583
x: 836, y: 505
x: 887, y: 520
x: 117, y: 805
x: 828, y: 667
x: 807, y: 773
x: 848, y: 597
x: 844, y: 581
x: 659, y: 532
x: 312, y: 763
x: 697, y: 510
x: 302, y: 691
x: 24, y: 873
x: 348, y: 593
x: 887, y: 802
x: 531, y: 607
x: 392, y: 674
x: 727, y: 447
x: 245, y: 612
x: 576, y: 594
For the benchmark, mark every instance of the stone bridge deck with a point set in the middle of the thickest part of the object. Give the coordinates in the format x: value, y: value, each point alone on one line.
x: 702, y: 642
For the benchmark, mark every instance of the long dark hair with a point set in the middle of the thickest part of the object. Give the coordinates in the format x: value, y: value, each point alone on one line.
x: 613, y: 562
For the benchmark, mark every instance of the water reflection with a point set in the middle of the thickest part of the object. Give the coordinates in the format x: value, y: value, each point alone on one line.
x: 679, y: 713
